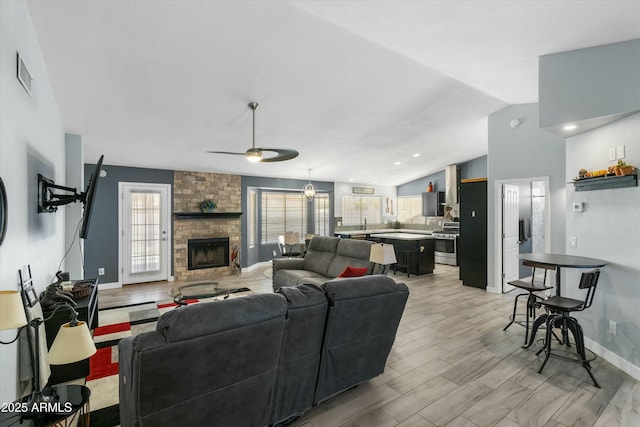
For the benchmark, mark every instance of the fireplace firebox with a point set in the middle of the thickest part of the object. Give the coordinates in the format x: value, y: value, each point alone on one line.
x: 208, y: 253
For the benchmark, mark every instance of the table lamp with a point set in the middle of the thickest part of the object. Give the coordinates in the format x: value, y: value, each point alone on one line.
x: 73, y: 342
x: 384, y: 255
x: 291, y: 238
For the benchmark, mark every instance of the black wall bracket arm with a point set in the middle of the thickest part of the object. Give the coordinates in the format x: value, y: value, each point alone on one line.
x: 48, y: 201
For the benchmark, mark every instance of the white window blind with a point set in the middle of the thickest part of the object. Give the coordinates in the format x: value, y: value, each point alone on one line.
x: 252, y: 219
x: 355, y: 209
x: 321, y: 214
x: 410, y: 210
x: 282, y: 212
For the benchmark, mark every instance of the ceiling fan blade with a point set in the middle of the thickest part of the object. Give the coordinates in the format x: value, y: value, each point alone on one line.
x: 282, y: 154
x: 226, y: 152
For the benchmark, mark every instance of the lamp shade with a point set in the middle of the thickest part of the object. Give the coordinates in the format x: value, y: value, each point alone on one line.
x: 11, y: 310
x: 382, y: 254
x: 72, y: 344
x: 291, y: 238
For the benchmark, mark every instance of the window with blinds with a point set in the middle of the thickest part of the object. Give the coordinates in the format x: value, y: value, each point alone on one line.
x: 282, y: 212
x: 252, y: 218
x: 321, y: 214
x: 355, y: 209
x: 410, y: 210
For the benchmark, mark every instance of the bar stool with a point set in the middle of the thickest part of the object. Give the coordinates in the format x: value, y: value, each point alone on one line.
x: 403, y: 260
x: 532, y: 286
x: 560, y: 309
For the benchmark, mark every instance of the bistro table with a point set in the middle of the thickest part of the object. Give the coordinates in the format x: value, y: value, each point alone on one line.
x: 559, y: 260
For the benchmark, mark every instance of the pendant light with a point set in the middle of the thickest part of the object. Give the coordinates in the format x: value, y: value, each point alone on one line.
x: 309, y: 190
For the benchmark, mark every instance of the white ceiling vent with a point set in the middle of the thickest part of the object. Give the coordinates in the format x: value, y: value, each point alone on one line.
x: 24, y: 76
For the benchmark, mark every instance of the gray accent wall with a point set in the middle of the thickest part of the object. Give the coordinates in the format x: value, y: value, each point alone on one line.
x: 475, y: 168
x: 524, y: 152
x: 101, y: 245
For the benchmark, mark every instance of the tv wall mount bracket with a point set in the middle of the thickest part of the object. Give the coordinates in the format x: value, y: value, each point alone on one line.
x: 48, y: 200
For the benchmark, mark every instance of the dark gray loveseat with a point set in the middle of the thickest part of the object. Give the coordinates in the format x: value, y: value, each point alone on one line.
x: 325, y: 259
x: 262, y: 359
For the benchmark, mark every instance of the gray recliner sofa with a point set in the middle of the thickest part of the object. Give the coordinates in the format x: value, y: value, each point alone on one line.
x: 325, y: 259
x: 261, y: 359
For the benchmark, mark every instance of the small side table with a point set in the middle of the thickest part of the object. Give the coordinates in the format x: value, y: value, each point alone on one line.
x: 69, y: 401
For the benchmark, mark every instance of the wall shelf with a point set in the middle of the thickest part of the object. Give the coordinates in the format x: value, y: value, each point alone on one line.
x: 208, y: 215
x: 606, y: 182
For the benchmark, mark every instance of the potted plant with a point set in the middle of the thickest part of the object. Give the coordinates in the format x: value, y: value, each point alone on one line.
x: 208, y: 205
x: 623, y: 169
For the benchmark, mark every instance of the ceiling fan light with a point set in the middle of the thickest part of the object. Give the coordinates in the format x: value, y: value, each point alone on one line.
x: 254, y: 155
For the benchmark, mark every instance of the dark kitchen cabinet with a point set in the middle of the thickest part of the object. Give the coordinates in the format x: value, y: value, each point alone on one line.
x: 433, y: 203
x: 473, y: 233
x: 87, y: 308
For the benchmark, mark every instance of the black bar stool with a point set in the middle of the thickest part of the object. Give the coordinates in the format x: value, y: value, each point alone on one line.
x: 531, y: 286
x: 560, y: 309
x: 403, y: 260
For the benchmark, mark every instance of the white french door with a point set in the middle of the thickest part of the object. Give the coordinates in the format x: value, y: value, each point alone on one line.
x: 144, y: 232
x: 510, y: 235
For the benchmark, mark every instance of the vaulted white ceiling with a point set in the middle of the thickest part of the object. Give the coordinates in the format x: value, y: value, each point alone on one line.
x: 354, y: 86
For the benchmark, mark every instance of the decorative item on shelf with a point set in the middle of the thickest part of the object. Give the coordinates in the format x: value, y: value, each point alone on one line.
x: 430, y: 187
x: 623, y: 169
x: 208, y: 205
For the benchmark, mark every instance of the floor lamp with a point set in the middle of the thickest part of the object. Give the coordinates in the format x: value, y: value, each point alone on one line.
x: 384, y: 255
x: 72, y: 344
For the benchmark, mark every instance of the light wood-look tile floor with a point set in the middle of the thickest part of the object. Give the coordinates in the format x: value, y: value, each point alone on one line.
x: 452, y: 365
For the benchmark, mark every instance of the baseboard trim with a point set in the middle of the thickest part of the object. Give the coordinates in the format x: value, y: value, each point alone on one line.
x: 257, y: 265
x: 112, y: 285
x: 613, y: 358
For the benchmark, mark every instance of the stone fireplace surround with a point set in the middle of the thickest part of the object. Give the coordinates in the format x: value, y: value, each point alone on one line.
x: 189, y: 188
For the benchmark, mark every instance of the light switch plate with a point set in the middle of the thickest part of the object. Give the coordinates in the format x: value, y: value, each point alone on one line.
x: 573, y: 241
x: 612, y: 154
x: 620, y: 151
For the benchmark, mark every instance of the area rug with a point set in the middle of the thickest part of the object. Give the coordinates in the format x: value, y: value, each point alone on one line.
x: 115, y: 324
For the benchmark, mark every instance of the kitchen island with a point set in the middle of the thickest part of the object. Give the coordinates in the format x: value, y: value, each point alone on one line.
x: 414, y: 252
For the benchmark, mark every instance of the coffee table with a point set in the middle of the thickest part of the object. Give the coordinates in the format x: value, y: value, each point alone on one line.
x: 197, y: 290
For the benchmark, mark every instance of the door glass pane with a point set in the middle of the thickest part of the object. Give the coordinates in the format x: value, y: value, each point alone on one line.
x: 145, y: 231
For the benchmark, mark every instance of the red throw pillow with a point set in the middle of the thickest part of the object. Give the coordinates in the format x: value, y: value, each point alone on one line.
x: 354, y: 272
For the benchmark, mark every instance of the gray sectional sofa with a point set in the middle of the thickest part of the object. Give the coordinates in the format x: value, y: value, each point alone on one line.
x: 325, y: 259
x: 262, y: 359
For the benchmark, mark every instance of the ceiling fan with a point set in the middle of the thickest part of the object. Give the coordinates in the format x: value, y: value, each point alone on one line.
x: 254, y: 154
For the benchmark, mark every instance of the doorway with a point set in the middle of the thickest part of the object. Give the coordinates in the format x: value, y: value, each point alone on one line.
x: 524, y: 224
x: 145, y: 233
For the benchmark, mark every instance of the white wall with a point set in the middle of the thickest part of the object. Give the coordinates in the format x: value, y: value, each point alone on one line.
x: 31, y: 142
x: 608, y: 229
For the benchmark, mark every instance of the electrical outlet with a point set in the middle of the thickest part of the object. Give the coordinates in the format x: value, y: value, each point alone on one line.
x: 275, y: 254
x: 101, y: 271
x: 613, y: 327
x: 573, y: 241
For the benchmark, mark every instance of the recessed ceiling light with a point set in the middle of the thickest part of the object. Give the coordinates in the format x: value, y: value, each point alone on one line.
x: 375, y: 182
x: 350, y: 179
x: 397, y: 163
x: 416, y: 155
x: 570, y: 127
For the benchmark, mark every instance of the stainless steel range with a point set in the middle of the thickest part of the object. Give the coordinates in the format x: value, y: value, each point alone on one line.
x: 446, y: 243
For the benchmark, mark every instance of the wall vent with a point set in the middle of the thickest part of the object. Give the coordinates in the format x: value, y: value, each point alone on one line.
x: 24, y: 76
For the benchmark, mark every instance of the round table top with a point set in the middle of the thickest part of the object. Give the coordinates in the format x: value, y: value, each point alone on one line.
x: 562, y: 260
